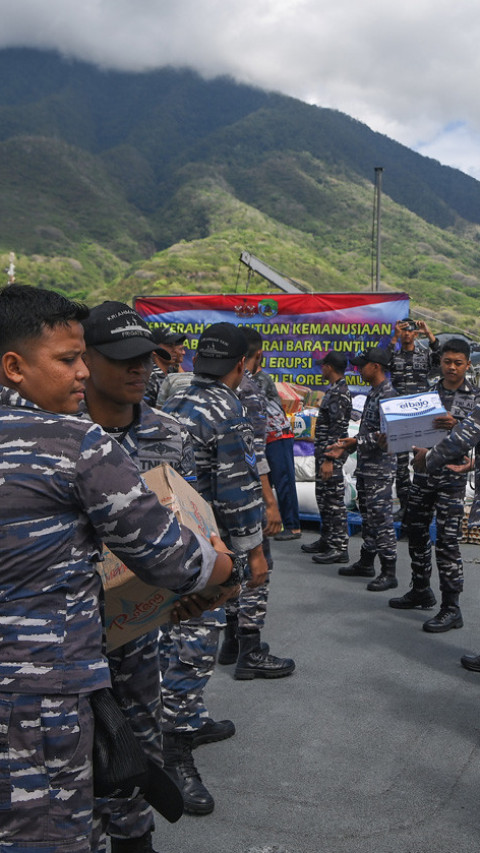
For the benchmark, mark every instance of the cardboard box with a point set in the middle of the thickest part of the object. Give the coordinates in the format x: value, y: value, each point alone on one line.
x: 132, y: 607
x: 303, y: 425
x: 408, y: 421
x: 290, y: 399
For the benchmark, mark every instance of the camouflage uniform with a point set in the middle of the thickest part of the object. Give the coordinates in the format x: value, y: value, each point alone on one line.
x: 462, y: 438
x: 153, y: 437
x: 66, y: 488
x: 332, y: 424
x: 155, y: 382
x: 442, y: 492
x: 251, y: 606
x: 374, y: 473
x: 409, y: 371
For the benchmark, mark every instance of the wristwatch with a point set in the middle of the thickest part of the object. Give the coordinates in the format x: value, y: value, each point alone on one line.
x: 238, y: 571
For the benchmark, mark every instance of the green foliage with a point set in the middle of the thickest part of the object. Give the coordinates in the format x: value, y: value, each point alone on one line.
x: 117, y: 184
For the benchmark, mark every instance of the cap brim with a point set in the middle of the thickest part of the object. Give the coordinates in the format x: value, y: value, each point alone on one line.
x: 214, y: 366
x: 163, y: 353
x: 128, y: 348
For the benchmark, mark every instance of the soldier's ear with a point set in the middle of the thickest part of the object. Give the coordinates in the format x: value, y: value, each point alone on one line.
x: 12, y: 365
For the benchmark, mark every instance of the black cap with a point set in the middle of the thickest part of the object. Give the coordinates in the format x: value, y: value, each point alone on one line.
x: 220, y: 348
x: 117, y: 331
x: 377, y: 355
x: 337, y: 360
x: 164, y: 335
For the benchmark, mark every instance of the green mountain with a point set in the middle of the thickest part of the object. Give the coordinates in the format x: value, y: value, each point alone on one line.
x: 116, y: 184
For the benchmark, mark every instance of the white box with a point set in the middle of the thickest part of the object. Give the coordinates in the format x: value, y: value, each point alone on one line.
x: 408, y: 421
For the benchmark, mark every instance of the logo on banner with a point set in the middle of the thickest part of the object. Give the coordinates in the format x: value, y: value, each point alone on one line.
x: 268, y: 308
x: 245, y: 311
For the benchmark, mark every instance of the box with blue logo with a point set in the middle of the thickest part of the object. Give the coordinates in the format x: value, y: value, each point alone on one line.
x: 408, y: 421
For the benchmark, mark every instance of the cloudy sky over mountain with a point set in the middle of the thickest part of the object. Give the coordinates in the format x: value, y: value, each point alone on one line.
x: 408, y: 69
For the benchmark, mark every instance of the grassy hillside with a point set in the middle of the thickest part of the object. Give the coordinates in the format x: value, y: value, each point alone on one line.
x: 118, y: 184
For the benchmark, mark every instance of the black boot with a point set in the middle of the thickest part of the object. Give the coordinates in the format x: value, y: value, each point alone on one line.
x: 254, y: 662
x: 228, y: 653
x: 179, y: 764
x: 132, y: 845
x: 423, y: 598
x: 386, y: 579
x: 471, y: 662
x: 449, y: 616
x: 317, y: 547
x: 363, y: 568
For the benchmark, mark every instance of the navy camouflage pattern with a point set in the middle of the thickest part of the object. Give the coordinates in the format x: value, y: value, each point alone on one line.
x: 332, y: 424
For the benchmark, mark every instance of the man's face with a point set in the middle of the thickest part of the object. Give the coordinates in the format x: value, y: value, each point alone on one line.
x: 50, y: 370
x: 178, y: 353
x: 454, y: 366
x: 407, y: 337
x: 369, y: 372
x: 120, y: 381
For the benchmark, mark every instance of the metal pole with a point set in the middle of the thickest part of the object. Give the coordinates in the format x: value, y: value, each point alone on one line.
x: 378, y: 189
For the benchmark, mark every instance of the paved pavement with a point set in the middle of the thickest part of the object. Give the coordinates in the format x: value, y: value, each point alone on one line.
x: 371, y: 746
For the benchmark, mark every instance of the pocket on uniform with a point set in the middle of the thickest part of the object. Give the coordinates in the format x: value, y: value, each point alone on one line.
x: 5, y: 780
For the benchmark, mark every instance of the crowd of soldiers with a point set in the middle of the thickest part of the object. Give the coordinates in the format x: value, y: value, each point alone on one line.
x: 83, y: 415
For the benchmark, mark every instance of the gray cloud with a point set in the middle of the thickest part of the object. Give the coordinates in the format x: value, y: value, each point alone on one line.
x: 408, y: 70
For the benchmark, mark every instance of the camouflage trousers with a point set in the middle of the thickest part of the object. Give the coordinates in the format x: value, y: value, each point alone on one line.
x: 375, y: 504
x: 402, y: 478
x: 136, y: 686
x: 330, y: 497
x: 46, y: 788
x: 188, y: 653
x: 448, y: 505
x: 251, y: 605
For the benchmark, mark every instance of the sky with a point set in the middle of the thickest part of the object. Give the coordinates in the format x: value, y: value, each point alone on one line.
x: 407, y: 69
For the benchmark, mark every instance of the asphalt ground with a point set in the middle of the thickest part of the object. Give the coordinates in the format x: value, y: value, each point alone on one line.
x: 371, y: 746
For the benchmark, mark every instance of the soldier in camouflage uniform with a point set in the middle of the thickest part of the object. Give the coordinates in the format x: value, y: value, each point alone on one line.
x: 332, y: 424
x: 375, y: 471
x: 409, y: 369
x: 227, y: 475
x: 161, y: 361
x: 246, y: 616
x: 451, y: 451
x: 442, y: 492
x: 66, y: 488
x: 114, y: 393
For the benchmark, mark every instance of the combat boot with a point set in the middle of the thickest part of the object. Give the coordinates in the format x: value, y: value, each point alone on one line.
x: 386, y: 579
x: 228, y: 653
x: 254, y: 662
x: 363, y: 568
x: 423, y: 598
x: 471, y: 662
x: 180, y: 766
x: 316, y: 547
x: 212, y: 731
x: 143, y: 844
x: 449, y: 616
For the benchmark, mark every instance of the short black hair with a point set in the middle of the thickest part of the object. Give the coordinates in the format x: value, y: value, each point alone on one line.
x: 254, y: 340
x: 26, y: 310
x: 456, y: 345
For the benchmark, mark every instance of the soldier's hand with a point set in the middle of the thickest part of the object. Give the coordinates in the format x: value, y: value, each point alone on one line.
x: 419, y: 460
x: 446, y: 421
x: 382, y: 440
x: 190, y: 607
x: 326, y: 469
x: 274, y: 519
x: 464, y: 466
x: 219, y: 544
x: 258, y: 567
x: 229, y: 593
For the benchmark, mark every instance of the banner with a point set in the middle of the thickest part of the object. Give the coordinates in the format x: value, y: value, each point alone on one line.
x: 296, y: 329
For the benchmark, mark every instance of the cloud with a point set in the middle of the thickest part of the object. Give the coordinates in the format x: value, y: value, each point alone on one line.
x: 408, y: 70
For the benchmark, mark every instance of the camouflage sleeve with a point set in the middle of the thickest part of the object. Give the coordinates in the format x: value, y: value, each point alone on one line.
x: 128, y: 517
x: 340, y: 409
x: 187, y: 466
x: 257, y: 415
x: 236, y: 491
x: 462, y: 438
